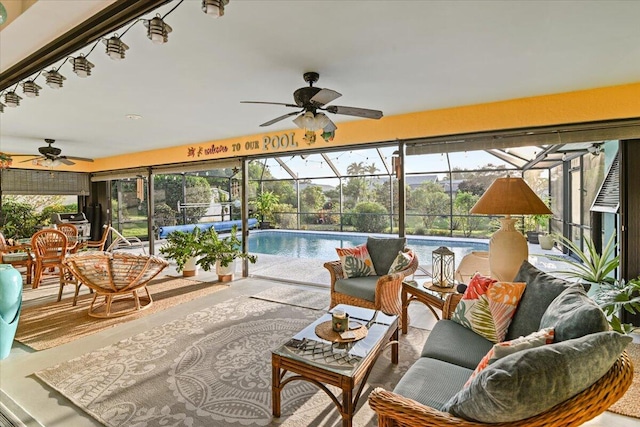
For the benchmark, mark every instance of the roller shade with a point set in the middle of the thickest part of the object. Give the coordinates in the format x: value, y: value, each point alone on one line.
x: 119, y: 174
x: 40, y: 182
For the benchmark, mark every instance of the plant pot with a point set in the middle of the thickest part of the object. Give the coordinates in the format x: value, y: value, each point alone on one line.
x: 532, y: 236
x: 10, y: 304
x: 191, y: 267
x: 546, y: 241
x: 225, y: 274
x: 265, y: 225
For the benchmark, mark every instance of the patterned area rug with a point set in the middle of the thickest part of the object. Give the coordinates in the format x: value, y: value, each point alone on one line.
x: 629, y: 404
x: 49, y: 325
x: 298, y: 297
x: 212, y: 368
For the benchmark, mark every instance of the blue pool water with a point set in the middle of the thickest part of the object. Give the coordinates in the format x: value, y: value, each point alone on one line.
x: 323, y: 245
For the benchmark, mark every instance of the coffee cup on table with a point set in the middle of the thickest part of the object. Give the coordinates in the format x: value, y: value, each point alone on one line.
x: 339, y: 321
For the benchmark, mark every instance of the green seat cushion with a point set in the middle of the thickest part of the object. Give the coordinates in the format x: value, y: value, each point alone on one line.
x: 432, y: 382
x: 573, y: 314
x: 532, y: 381
x: 453, y: 343
x: 359, y: 287
x: 383, y: 251
x: 15, y: 256
x: 541, y: 290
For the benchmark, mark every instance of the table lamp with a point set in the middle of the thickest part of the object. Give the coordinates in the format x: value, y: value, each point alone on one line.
x: 508, y: 247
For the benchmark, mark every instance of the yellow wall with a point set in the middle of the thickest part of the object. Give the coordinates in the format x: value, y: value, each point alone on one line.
x: 615, y: 102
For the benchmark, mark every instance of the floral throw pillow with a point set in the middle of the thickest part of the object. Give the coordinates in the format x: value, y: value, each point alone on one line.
x: 505, y: 348
x: 487, y: 306
x: 356, y: 262
x: 401, y: 262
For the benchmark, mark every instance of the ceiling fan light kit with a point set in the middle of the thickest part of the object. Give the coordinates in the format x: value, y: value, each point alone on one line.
x: 30, y: 89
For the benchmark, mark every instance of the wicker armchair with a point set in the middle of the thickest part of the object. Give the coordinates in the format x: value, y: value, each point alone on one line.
x: 396, y: 410
x: 112, y: 275
x: 387, y: 293
x: 17, y: 256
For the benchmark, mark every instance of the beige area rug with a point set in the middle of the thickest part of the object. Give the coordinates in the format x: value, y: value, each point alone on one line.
x: 57, y: 323
x: 298, y: 297
x: 629, y: 404
x: 212, y: 368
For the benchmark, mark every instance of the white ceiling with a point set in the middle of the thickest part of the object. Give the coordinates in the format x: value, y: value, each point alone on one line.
x: 396, y: 56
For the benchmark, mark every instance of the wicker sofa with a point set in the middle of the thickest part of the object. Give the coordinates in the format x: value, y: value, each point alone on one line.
x: 379, y: 292
x: 566, y: 383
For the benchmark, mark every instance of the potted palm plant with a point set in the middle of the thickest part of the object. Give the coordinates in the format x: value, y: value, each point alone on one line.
x: 264, y: 204
x: 591, y: 268
x: 221, y: 252
x: 617, y: 296
x: 183, y: 247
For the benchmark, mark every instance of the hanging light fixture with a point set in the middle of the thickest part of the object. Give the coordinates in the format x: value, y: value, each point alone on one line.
x: 12, y: 99
x: 48, y: 163
x: 311, y: 122
x: 31, y: 89
x: 115, y: 47
x: 2, y: 107
x: 214, y: 8
x: 81, y: 66
x: 157, y: 30
x: 54, y: 79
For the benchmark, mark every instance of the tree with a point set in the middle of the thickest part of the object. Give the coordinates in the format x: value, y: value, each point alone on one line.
x: 473, y: 187
x: 431, y: 200
x: 265, y: 203
x: 168, y: 190
x: 312, y: 200
x: 370, y: 217
x: 461, y: 206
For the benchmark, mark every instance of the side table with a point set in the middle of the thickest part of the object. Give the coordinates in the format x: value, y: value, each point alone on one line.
x: 430, y: 295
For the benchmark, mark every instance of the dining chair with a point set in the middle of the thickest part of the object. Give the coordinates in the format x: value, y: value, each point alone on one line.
x: 71, y: 231
x: 49, y: 247
x: 17, y: 256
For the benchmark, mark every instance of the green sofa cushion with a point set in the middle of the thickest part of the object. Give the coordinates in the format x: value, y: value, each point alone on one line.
x: 432, y: 382
x: 359, y: 287
x: 383, y: 252
x: 532, y: 381
x: 541, y: 290
x: 573, y: 314
x: 453, y: 343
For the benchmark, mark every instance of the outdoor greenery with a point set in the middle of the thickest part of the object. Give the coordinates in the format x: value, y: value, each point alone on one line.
x: 24, y: 215
x: 370, y: 217
x: 617, y: 296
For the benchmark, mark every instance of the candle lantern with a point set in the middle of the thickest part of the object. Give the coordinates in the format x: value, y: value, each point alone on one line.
x: 443, y: 266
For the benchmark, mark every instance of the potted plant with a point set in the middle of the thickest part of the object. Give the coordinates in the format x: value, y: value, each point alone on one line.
x: 264, y: 204
x: 221, y: 252
x: 617, y: 296
x: 536, y: 226
x: 183, y: 247
x: 591, y: 268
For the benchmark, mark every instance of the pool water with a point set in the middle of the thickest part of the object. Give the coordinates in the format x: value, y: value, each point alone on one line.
x: 323, y: 245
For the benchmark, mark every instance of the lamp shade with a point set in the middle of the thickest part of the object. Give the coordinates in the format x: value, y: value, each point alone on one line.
x: 507, y: 196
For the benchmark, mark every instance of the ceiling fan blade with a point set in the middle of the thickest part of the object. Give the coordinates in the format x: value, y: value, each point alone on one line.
x: 277, y: 119
x: 31, y: 159
x: 325, y: 96
x: 354, y: 111
x: 270, y: 103
x: 66, y: 161
x: 82, y: 159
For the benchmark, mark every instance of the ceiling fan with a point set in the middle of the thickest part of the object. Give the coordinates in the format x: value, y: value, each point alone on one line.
x: 50, y: 156
x: 311, y: 99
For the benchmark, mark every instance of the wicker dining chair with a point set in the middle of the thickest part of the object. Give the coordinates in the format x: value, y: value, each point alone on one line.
x: 113, y: 275
x: 71, y: 231
x: 49, y: 247
x: 387, y: 292
x: 394, y: 410
x: 17, y: 256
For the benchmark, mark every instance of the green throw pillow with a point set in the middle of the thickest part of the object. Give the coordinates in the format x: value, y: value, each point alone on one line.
x: 383, y: 252
x: 573, y: 314
x: 532, y: 381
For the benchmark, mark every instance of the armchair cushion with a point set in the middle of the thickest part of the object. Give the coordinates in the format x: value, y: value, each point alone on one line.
x: 573, y: 314
x: 356, y: 262
x: 383, y: 252
x: 359, y: 287
x: 532, y: 381
x: 541, y: 290
x: 453, y: 343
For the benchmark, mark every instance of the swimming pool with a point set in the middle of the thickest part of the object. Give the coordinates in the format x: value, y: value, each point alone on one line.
x: 296, y: 244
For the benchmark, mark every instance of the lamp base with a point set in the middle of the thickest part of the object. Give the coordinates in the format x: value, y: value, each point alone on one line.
x: 507, y: 250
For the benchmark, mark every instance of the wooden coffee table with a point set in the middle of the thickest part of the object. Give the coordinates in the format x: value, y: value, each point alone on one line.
x: 323, y: 363
x: 430, y: 295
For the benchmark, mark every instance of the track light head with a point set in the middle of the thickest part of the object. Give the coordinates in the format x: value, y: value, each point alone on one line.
x: 81, y: 66
x: 157, y: 30
x: 12, y: 99
x: 54, y: 79
x: 214, y: 8
x: 115, y: 47
x: 30, y: 89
